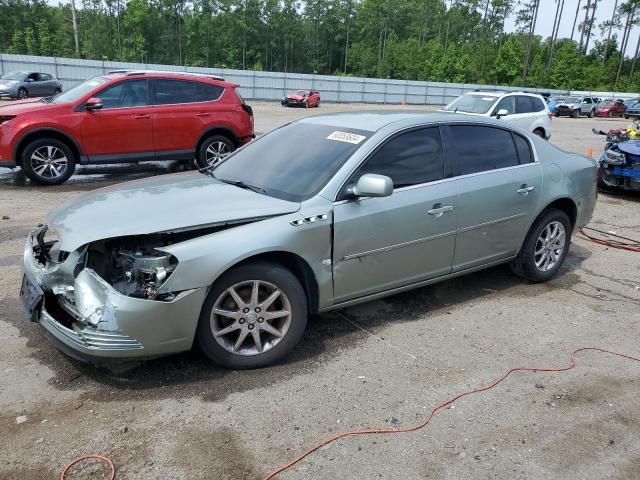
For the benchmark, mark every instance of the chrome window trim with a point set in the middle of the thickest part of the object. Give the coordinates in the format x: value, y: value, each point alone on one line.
x: 436, y: 124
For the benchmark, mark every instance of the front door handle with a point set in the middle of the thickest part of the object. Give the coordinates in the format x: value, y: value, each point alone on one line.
x: 202, y: 114
x: 438, y: 210
x: 142, y: 116
x: 525, y: 189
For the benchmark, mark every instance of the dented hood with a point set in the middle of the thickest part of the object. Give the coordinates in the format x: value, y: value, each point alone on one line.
x: 160, y: 204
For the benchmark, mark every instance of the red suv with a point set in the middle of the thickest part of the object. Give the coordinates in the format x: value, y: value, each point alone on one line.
x: 125, y: 116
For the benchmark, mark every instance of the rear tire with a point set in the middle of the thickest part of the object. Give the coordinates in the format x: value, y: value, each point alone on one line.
x: 48, y: 161
x: 234, y: 343
x: 542, y: 253
x: 592, y: 113
x: 213, y: 150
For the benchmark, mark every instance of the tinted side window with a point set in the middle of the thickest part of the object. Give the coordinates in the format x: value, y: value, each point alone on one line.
x: 130, y: 93
x: 409, y: 158
x: 523, y: 104
x: 586, y: 100
x: 508, y: 104
x: 471, y: 149
x: 43, y: 77
x: 523, y: 148
x: 209, y: 92
x: 538, y: 105
x: 169, y: 92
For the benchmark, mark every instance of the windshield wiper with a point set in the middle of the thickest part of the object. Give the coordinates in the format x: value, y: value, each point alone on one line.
x: 241, y: 184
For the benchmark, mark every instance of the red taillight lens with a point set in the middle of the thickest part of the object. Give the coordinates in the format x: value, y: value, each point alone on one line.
x: 6, y: 118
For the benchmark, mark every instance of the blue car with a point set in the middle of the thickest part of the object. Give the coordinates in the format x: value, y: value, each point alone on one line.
x: 553, y: 101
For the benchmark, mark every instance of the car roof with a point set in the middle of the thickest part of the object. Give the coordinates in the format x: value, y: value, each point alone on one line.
x: 161, y: 74
x: 375, y: 120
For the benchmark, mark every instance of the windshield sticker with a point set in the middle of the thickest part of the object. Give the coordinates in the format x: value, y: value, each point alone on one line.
x: 346, y: 137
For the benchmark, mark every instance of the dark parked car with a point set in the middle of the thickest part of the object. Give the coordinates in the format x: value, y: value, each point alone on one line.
x: 28, y: 84
x: 125, y: 117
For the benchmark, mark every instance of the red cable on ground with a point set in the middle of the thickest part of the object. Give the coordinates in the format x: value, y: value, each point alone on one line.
x: 632, y: 246
x: 87, y: 457
x: 441, y: 405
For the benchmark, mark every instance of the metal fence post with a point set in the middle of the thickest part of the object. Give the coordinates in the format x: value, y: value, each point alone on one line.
x: 364, y: 81
x: 1, y: 64
x: 253, y: 86
x: 338, y: 92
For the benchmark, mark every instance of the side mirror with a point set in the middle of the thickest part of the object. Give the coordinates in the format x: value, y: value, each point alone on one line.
x: 93, y: 104
x: 29, y: 80
x: 503, y: 112
x: 373, y: 185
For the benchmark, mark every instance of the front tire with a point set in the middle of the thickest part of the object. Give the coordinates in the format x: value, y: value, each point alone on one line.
x: 545, y: 247
x: 254, y: 315
x: 48, y: 161
x: 575, y: 113
x: 214, y: 150
x: 22, y: 93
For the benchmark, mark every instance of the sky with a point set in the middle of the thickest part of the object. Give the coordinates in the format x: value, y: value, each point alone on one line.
x: 547, y: 11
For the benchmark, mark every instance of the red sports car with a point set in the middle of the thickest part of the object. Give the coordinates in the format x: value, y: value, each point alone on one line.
x: 302, y: 98
x: 611, y: 108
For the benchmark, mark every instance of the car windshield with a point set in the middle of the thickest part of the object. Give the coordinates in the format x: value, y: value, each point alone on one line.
x: 606, y: 103
x: 471, y: 104
x: 556, y: 99
x: 14, y: 76
x: 572, y: 100
x: 302, y: 93
x: 293, y: 162
x: 79, y: 91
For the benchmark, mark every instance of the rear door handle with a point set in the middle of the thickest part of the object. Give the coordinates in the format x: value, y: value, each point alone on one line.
x: 438, y: 210
x: 525, y: 189
x: 202, y: 114
x: 142, y: 116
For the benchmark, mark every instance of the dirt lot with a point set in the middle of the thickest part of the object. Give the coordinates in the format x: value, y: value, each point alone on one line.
x: 182, y: 418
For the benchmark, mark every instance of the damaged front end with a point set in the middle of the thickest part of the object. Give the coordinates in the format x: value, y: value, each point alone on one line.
x: 107, y: 298
x: 619, y: 166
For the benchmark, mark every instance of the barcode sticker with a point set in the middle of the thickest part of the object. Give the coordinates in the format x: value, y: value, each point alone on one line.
x: 346, y: 137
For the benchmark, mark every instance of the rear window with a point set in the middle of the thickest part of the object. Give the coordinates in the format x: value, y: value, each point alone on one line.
x: 523, y: 148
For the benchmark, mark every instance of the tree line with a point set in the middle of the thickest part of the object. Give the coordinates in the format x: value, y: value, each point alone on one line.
x: 436, y: 40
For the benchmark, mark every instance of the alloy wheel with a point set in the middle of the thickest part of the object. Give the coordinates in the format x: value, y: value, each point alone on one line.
x: 49, y: 162
x: 216, y: 152
x: 250, y: 317
x: 22, y: 94
x: 549, y: 246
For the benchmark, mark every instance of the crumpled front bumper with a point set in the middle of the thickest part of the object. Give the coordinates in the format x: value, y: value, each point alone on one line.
x: 88, y: 318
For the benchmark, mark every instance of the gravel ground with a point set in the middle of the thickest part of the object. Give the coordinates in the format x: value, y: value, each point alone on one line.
x: 182, y: 418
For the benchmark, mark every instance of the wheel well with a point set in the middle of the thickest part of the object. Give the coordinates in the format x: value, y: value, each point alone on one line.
x: 567, y: 206
x: 225, y: 132
x: 296, y: 265
x: 540, y: 129
x: 46, y: 134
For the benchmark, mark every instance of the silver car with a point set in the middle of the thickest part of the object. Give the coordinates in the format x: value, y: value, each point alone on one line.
x: 320, y: 214
x: 22, y: 85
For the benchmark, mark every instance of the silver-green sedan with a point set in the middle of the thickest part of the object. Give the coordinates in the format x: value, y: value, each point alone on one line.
x: 322, y: 213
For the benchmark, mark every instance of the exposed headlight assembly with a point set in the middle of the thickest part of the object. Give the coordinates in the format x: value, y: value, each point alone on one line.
x: 141, y: 274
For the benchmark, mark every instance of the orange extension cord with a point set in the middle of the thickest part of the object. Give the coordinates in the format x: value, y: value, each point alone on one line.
x: 423, y: 423
x: 369, y: 431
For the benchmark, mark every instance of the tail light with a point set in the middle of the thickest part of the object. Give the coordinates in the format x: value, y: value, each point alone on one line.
x: 6, y: 118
